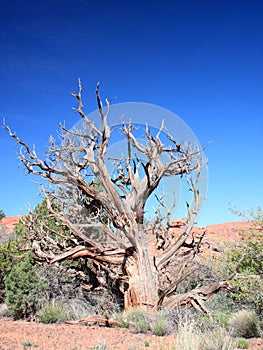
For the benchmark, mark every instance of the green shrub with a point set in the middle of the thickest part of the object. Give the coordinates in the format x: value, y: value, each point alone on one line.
x: 136, y: 318
x: 23, y: 288
x: 53, y: 312
x: 159, y: 326
x: 248, y: 282
x: 11, y: 250
x: 101, y: 346
x: 221, y: 318
x: 123, y: 321
x: 242, y: 343
x: 245, y: 324
x: 27, y: 344
x: 141, y: 325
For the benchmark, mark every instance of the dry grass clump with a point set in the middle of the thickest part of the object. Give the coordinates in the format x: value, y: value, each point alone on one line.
x: 191, y: 337
x: 245, y: 323
x: 52, y: 312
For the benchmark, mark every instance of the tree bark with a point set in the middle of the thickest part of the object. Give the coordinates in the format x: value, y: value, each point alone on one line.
x: 142, y: 288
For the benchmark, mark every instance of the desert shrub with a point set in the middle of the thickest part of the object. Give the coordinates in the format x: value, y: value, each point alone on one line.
x: 11, y: 251
x: 188, y: 337
x: 222, y: 306
x: 28, y: 344
x: 249, y: 283
x: 217, y: 339
x: 136, y: 319
x: 221, y: 302
x: 212, y: 322
x: 221, y: 318
x: 139, y: 318
x: 101, y: 346
x: 178, y: 316
x: 242, y: 343
x: 52, y: 312
x: 245, y: 324
x: 159, y: 325
x: 191, y: 337
x: 23, y: 288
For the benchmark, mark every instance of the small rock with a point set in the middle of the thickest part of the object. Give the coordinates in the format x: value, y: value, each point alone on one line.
x: 3, y: 310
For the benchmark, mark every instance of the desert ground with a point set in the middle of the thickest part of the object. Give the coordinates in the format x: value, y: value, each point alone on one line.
x: 16, y: 335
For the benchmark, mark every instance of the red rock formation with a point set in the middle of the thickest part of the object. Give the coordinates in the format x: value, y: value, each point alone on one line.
x: 10, y: 222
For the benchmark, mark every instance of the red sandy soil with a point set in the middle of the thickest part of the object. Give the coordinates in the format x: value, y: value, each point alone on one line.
x: 16, y: 335
x: 25, y: 335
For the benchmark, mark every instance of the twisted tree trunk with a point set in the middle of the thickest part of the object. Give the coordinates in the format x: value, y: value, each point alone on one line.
x: 142, y: 288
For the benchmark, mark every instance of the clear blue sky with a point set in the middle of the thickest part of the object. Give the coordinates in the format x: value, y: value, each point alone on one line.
x: 203, y: 60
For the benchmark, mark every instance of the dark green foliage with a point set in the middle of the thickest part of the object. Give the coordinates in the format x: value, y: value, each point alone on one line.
x: 23, y: 287
x: 64, y: 282
x: 2, y: 215
x: 27, y: 345
x: 12, y: 247
x: 45, y: 223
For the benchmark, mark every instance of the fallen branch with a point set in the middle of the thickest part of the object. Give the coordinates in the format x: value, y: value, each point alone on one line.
x: 99, y: 320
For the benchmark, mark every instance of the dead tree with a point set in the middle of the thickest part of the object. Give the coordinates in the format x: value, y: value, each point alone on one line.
x: 107, y: 222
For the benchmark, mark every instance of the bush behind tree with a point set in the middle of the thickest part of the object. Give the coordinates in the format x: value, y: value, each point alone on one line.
x: 12, y: 249
x: 2, y: 214
x: 23, y: 288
